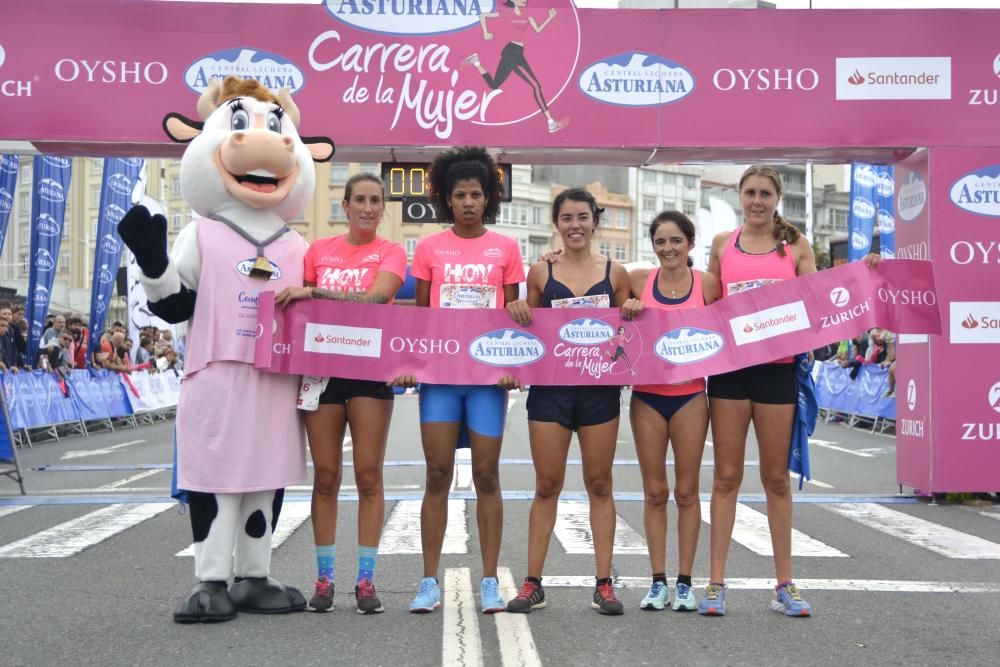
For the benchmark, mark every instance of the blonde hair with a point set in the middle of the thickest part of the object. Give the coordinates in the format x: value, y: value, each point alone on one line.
x: 785, y: 233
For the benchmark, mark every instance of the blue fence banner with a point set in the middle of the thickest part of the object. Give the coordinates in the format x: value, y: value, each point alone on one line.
x: 120, y: 177
x: 885, y: 199
x: 6, y: 446
x: 8, y: 182
x: 48, y: 208
x: 861, y: 221
x: 35, y: 398
x: 863, y: 396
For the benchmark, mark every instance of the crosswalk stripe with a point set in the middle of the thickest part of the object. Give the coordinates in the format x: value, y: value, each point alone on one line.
x: 760, y: 584
x: 517, y: 646
x: 72, y: 537
x: 12, y: 509
x: 751, y: 530
x: 292, y: 516
x: 574, y: 534
x: 935, y: 537
x: 401, y: 534
x: 461, y: 645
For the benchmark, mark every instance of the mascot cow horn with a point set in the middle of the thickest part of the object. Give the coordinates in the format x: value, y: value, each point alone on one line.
x: 239, y: 441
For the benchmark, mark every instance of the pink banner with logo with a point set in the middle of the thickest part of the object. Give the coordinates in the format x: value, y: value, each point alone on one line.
x: 964, y: 392
x: 595, y: 346
x: 97, y: 76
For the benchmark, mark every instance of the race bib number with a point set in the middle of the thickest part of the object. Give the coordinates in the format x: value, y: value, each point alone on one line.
x: 747, y: 285
x: 455, y: 295
x: 309, y: 392
x: 590, y: 301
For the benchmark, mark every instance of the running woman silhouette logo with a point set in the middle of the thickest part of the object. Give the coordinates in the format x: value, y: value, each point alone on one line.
x: 518, y: 26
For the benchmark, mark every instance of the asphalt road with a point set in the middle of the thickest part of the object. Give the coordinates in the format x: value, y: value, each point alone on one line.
x: 90, y: 572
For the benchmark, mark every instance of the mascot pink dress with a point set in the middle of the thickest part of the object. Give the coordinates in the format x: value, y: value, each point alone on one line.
x: 239, y: 440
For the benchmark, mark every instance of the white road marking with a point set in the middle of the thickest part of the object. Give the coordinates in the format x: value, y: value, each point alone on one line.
x: 462, y: 479
x: 461, y: 645
x: 401, y: 534
x: 573, y: 531
x: 814, y: 482
x: 292, y: 516
x: 805, y: 585
x: 72, y: 537
x: 510, y: 404
x: 751, y: 530
x: 128, y: 480
x: 935, y: 537
x: 346, y: 487
x: 991, y: 513
x: 826, y: 444
x: 517, y: 646
x: 13, y: 509
x: 79, y: 454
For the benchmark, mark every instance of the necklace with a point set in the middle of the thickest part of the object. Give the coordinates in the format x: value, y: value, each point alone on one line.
x: 673, y: 291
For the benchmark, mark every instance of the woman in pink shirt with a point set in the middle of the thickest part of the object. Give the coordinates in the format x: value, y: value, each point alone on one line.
x: 358, y: 266
x: 766, y: 249
x: 671, y: 413
x: 465, y: 266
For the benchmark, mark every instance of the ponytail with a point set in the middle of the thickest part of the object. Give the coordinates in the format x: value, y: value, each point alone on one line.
x: 785, y: 234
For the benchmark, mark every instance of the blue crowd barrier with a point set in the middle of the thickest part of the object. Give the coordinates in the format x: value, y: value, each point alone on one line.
x: 36, y: 400
x: 863, y: 396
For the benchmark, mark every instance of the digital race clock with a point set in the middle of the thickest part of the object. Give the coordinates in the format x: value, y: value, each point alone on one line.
x: 411, y: 179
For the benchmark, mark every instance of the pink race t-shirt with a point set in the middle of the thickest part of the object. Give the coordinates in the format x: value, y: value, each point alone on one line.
x: 334, y: 264
x: 468, y: 273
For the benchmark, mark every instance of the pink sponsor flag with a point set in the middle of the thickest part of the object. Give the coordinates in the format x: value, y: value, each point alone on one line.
x: 595, y: 345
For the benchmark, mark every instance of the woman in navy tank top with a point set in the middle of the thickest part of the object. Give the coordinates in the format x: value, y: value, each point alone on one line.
x: 581, y: 278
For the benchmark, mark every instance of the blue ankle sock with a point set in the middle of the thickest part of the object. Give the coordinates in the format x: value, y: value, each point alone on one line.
x: 366, y: 562
x: 326, y: 560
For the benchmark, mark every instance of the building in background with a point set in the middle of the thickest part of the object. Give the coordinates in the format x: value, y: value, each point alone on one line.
x: 631, y: 197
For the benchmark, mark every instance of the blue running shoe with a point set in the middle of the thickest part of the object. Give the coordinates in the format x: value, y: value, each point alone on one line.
x: 657, y: 597
x: 684, y: 599
x: 489, y: 596
x: 790, y: 603
x: 713, y: 602
x: 428, y: 597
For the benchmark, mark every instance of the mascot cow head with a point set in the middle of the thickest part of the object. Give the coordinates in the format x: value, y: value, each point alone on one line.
x: 246, y: 151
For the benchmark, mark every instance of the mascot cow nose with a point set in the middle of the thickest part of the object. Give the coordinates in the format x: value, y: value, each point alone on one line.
x: 244, y: 152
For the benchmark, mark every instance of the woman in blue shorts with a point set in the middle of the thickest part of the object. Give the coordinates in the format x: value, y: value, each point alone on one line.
x: 465, y: 266
x: 580, y: 277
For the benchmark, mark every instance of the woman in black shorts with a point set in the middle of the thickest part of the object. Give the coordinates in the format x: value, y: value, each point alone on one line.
x: 555, y: 412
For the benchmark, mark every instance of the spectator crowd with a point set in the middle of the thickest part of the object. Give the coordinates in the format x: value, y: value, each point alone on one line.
x: 65, y: 343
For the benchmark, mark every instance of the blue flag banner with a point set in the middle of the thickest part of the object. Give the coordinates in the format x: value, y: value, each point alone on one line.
x: 806, y: 411
x: 861, y: 222
x: 885, y: 198
x: 120, y: 177
x: 48, y: 208
x: 8, y: 181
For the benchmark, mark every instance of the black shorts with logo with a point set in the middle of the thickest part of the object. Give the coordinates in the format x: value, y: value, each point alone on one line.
x: 340, y: 390
x: 572, y: 406
x: 766, y: 383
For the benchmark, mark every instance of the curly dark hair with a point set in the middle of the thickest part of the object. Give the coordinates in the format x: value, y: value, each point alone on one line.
x: 461, y: 163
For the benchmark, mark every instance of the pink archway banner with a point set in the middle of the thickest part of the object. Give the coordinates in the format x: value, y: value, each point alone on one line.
x: 595, y: 346
x: 619, y: 86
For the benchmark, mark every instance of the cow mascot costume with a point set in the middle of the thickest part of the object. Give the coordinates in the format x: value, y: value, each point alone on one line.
x: 239, y: 441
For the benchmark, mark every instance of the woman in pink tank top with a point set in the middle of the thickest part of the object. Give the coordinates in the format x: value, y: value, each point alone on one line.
x: 676, y: 413
x: 764, y: 250
x: 357, y: 266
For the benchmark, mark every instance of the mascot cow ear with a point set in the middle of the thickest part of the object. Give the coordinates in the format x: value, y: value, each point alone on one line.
x: 181, y: 129
x: 321, y: 148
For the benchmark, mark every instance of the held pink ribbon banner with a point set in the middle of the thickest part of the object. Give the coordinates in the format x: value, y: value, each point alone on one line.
x: 595, y: 346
